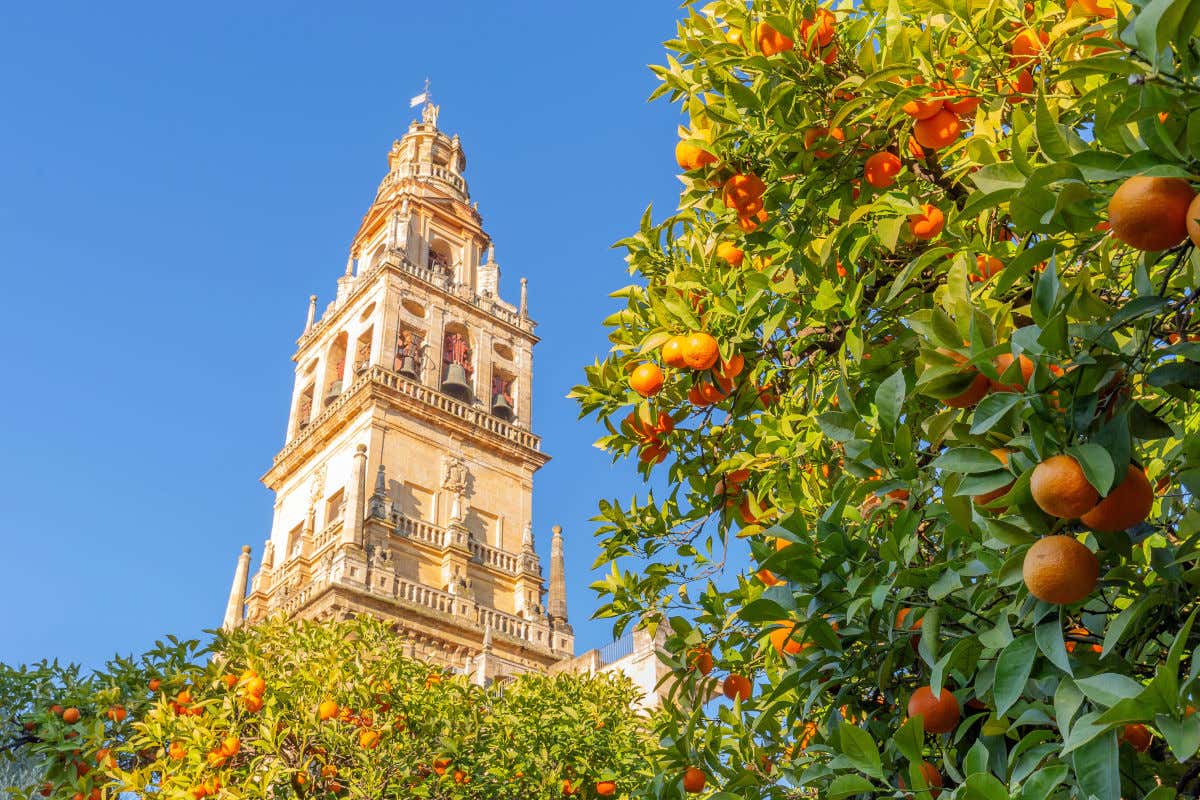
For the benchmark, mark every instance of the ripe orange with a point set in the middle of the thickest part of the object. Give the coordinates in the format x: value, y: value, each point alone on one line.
x: 731, y: 253
x: 988, y: 497
x: 177, y: 751
x: 986, y: 268
x: 737, y: 687
x: 881, y: 169
x: 672, y: 352
x: 975, y: 390
x: 1193, y: 214
x: 932, y: 777
x: 928, y: 223
x: 568, y: 788
x: 966, y: 102
x: 1097, y: 8
x: 1060, y: 570
x: 1002, y: 363
x: 1128, y: 504
x: 768, y: 578
x: 690, y: 157
x: 924, y: 107
x: 941, y: 713
x: 368, y: 739
x: 256, y: 686
x: 700, y: 351
x: 938, y: 131
x: 701, y: 660
x: 116, y: 713
x: 730, y: 368
x: 70, y: 715
x: 253, y: 703
x: 1150, y: 213
x: 154, y: 684
x: 605, y: 788
x: 440, y: 764
x: 820, y: 29
x: 328, y: 709
x: 1028, y: 45
x: 781, y: 638
x: 812, y: 135
x: 646, y: 379
x: 1060, y: 488
x: 771, y: 41
x: 744, y: 192
x: 1080, y: 631
x: 694, y: 780
x: 1137, y: 735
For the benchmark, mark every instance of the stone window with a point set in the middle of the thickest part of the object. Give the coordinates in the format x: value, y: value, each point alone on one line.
x: 333, y: 506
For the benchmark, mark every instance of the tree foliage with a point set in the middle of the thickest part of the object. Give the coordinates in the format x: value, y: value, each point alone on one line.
x: 307, y: 709
x: 889, y: 316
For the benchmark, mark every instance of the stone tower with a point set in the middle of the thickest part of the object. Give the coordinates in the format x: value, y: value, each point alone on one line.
x: 404, y: 486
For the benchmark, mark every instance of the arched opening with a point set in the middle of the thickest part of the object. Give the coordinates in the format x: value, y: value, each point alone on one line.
x: 409, y: 353
x: 503, y: 404
x: 362, y: 351
x: 335, y: 369
x: 457, y: 371
x: 439, y: 256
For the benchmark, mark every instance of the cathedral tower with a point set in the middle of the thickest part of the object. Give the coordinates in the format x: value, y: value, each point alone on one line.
x: 404, y: 486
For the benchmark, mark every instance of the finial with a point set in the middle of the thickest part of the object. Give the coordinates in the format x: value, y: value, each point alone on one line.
x: 312, y: 312
x: 350, y: 264
x: 246, y: 549
x: 524, y: 297
x: 362, y: 448
x: 556, y: 530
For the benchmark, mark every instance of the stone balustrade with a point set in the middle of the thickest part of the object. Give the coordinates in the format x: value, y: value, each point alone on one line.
x: 425, y: 170
x: 421, y: 531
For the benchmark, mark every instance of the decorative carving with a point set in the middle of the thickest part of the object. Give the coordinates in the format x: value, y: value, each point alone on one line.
x: 429, y: 114
x: 316, y: 489
x: 455, y: 475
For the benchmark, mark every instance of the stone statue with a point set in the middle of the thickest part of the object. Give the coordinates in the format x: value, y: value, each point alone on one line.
x: 429, y: 114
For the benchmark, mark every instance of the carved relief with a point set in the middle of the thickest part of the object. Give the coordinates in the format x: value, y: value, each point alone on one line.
x: 455, y: 475
x: 316, y: 489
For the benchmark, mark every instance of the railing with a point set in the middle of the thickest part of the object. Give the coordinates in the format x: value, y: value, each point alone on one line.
x: 494, y: 557
x: 617, y: 649
x: 420, y: 170
x: 445, y: 281
x: 422, y: 394
x: 421, y: 531
x: 508, y: 624
x: 327, y: 535
x: 360, y: 283
x: 425, y: 596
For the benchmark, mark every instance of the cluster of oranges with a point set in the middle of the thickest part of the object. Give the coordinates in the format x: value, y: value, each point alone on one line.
x: 229, y: 747
x: 817, y: 36
x: 253, y: 687
x: 743, y: 193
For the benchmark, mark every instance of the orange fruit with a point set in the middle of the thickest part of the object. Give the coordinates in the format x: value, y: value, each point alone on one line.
x: 368, y: 739
x: 734, y: 255
x: 672, y: 351
x: 933, y: 778
x: 1193, y: 214
x: 252, y: 703
x: 881, y: 169
x: 605, y: 788
x: 988, y: 497
x: 155, y: 683
x: 1128, y: 504
x: 177, y: 751
x: 1150, y: 213
x: 1060, y: 488
x: 701, y: 660
x: 256, y: 686
x: 700, y: 351
x: 1060, y: 570
x: 70, y: 715
x: 1097, y: 8
x: 768, y: 578
x: 1028, y: 45
x: 690, y: 157
x: 975, y: 390
x: 440, y: 764
x: 328, y: 709
x: 820, y: 29
x: 966, y: 102
x: 771, y: 41
x: 986, y: 268
x: 781, y: 638
x: 902, y: 624
x: 694, y: 780
x: 924, y: 107
x: 744, y: 192
x: 928, y: 223
x: 812, y: 135
x: 940, y: 713
x: 737, y: 687
x: 1014, y: 90
x: 1137, y: 736
x: 1002, y: 363
x: 231, y: 746
x: 938, y: 131
x: 646, y: 379
x: 1080, y: 631
x: 116, y: 713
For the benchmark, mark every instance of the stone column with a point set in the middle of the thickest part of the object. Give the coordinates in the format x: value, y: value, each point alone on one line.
x: 352, y: 525
x: 236, y: 607
x: 312, y: 312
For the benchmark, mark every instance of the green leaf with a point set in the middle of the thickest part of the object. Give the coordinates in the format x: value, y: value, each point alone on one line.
x: 1049, y: 635
x: 1182, y: 736
x: 992, y: 409
x: 1182, y: 374
x: 847, y: 785
x: 889, y: 398
x: 985, y: 786
x: 1097, y: 465
x: 1097, y: 767
x: 1040, y: 784
x: 1050, y: 138
x: 994, y: 177
x: 1012, y: 671
x: 1108, y: 688
x: 1045, y: 294
x: 859, y: 748
x: 967, y: 460
x: 910, y: 739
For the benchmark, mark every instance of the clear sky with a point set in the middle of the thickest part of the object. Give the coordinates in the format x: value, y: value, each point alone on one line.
x: 175, y: 182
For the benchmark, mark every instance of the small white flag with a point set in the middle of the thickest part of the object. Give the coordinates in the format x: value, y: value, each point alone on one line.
x: 416, y: 101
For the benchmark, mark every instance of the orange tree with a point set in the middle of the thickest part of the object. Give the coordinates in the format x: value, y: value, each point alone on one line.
x: 920, y: 340
x: 304, y: 709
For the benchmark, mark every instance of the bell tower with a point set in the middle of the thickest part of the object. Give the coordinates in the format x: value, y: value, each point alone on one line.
x: 404, y: 486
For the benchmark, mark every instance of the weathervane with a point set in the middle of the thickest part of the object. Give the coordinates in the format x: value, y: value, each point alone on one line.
x: 429, y: 113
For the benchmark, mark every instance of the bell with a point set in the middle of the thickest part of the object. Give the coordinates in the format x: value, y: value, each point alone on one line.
x: 455, y: 382
x: 502, y: 408
x: 408, y: 366
x: 335, y: 389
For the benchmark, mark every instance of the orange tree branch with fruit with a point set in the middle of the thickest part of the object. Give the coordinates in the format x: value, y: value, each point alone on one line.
x: 304, y: 709
x: 920, y: 335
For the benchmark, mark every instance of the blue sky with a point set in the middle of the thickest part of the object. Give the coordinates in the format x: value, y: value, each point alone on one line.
x: 175, y: 183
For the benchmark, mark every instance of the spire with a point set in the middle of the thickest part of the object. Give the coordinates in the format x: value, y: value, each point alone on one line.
x: 312, y: 312
x: 379, y: 500
x: 235, y: 609
x: 557, y: 602
x: 524, y: 297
